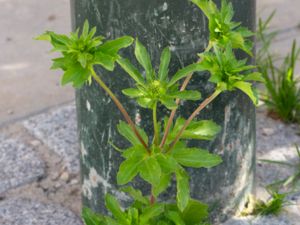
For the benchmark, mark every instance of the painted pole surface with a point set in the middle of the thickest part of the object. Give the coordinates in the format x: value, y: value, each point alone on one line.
x: 157, y: 24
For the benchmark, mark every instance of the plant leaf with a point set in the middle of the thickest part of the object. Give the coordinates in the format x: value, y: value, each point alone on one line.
x: 133, y: 92
x: 247, y: 89
x: 126, y: 131
x: 185, y: 72
x: 131, y: 71
x: 91, y: 218
x: 112, y: 47
x: 150, y: 171
x: 164, y: 64
x: 113, y: 206
x: 151, y: 212
x: 196, y: 158
x: 135, y: 194
x: 143, y: 58
x: 183, y: 191
x: 128, y: 170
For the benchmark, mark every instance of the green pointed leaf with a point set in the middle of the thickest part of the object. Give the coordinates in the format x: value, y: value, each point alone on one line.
x: 128, y: 170
x: 131, y: 71
x: 145, y: 102
x: 112, y: 47
x: 113, y: 206
x: 247, y: 89
x: 76, y: 75
x: 137, y: 151
x: 91, y: 218
x: 107, y: 61
x: 151, y: 212
x: 167, y: 163
x: 183, y: 191
x: 164, y: 64
x: 187, y: 95
x: 150, y: 171
x: 163, y: 184
x: 195, y: 212
x: 143, y: 58
x: 201, y: 130
x: 126, y: 131
x: 135, y: 194
x: 168, y: 102
x: 86, y: 28
x: 175, y: 217
x: 184, y: 72
x: 196, y: 158
x: 256, y: 76
x: 133, y: 92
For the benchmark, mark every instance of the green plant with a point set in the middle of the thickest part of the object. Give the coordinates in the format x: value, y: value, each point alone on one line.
x: 273, y: 206
x: 167, y: 155
x: 282, y: 95
x: 290, y: 183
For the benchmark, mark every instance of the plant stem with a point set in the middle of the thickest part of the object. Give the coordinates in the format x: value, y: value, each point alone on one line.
x: 120, y: 107
x: 156, y: 129
x: 152, y: 199
x: 183, y: 87
x: 193, y: 115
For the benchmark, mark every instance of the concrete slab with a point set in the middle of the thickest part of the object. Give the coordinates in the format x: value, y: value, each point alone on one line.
x: 28, y: 212
x: 58, y: 131
x: 26, y: 83
x: 19, y: 164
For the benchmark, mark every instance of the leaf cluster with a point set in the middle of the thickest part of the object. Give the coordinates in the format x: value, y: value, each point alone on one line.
x: 81, y: 51
x: 141, y: 213
x: 157, y: 167
x: 282, y: 94
x: 156, y: 87
x: 223, y: 30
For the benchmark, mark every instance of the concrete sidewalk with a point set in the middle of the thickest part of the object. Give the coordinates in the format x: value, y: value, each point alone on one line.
x: 26, y: 84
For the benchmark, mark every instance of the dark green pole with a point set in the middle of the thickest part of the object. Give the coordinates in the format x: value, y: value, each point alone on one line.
x: 182, y: 26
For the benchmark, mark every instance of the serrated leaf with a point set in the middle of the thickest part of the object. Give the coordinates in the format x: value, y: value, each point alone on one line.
x: 163, y: 184
x: 187, y: 95
x: 195, y: 212
x: 128, y: 170
x: 76, y: 75
x: 91, y: 218
x: 113, y: 206
x: 151, y: 212
x: 196, y: 158
x: 184, y: 72
x: 107, y: 61
x: 164, y: 64
x: 135, y: 151
x: 202, y: 130
x: 131, y: 71
x: 126, y: 131
x: 143, y: 58
x: 135, y: 194
x: 150, y: 171
x: 85, y: 29
x: 167, y: 163
x: 132, y: 92
x: 112, y: 47
x: 256, y: 76
x: 183, y: 191
x: 145, y: 102
x: 175, y: 217
x: 168, y: 102
x: 247, y: 89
